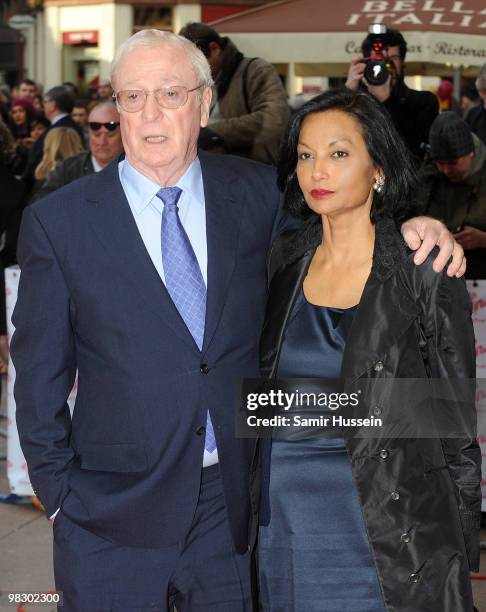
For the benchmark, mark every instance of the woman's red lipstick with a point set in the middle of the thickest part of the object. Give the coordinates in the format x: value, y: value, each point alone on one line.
x: 320, y: 193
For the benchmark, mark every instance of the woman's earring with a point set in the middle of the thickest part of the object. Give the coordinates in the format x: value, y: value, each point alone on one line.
x: 379, y: 183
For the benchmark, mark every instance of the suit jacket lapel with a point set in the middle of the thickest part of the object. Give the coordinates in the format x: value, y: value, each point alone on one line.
x: 113, y: 223
x: 223, y: 218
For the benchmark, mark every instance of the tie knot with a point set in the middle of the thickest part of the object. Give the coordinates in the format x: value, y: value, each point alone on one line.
x: 169, y: 195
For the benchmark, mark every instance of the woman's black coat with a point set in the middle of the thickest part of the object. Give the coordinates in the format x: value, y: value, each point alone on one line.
x: 420, y: 498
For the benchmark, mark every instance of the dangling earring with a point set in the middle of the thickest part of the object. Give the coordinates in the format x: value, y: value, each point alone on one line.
x: 379, y: 183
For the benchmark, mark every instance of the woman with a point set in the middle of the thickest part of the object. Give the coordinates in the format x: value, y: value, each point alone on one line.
x: 348, y: 523
x: 59, y: 143
x: 21, y: 113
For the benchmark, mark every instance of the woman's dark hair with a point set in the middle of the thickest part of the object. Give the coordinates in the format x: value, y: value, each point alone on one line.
x: 384, y: 145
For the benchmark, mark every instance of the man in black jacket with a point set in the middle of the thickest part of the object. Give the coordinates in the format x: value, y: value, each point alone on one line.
x: 411, y: 111
x: 104, y: 143
x: 58, y: 106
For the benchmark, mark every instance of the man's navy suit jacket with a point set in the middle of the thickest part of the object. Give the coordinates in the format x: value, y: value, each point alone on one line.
x: 128, y: 467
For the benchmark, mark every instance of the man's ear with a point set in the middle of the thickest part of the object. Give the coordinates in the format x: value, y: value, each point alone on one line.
x: 206, y: 97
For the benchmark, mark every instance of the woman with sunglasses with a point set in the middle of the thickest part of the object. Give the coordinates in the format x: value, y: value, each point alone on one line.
x: 386, y: 520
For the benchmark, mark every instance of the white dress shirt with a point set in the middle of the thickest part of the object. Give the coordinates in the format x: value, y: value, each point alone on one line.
x: 147, y: 210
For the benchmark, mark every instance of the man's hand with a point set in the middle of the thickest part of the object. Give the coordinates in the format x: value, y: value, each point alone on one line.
x: 422, y: 234
x: 471, y: 238
x: 355, y: 73
x: 380, y: 92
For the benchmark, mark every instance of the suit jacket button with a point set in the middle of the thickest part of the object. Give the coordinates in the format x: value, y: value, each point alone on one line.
x: 201, y: 430
x: 378, y: 367
x: 406, y: 538
x: 377, y: 411
x: 414, y: 578
x: 384, y: 454
x: 395, y: 495
x: 204, y: 368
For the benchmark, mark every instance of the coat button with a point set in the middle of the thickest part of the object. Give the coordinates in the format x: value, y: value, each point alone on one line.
x: 378, y: 367
x: 405, y: 537
x: 384, y: 454
x: 395, y: 495
x: 201, y: 430
x: 204, y: 368
x: 377, y: 411
x: 414, y: 578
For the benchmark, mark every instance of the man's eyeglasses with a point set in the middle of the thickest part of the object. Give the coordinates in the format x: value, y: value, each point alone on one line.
x: 171, y: 96
x: 109, y: 125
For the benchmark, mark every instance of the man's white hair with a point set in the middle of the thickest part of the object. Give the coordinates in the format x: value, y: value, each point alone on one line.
x: 154, y: 38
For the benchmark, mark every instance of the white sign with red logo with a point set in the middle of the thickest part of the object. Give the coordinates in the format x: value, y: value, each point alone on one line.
x: 18, y: 477
x: 477, y: 291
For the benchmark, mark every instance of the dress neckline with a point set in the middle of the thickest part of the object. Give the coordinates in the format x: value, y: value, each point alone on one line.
x: 332, y: 308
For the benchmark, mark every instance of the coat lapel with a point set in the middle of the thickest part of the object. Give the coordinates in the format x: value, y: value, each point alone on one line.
x: 112, y: 221
x: 284, y: 290
x: 223, y: 218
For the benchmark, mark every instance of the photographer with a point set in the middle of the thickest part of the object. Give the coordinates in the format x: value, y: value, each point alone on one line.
x: 411, y: 111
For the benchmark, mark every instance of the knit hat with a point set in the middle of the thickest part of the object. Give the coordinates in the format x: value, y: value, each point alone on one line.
x: 450, y: 137
x: 24, y: 103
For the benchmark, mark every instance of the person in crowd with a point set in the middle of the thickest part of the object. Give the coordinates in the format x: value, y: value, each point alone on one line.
x: 27, y: 89
x: 445, y: 94
x: 79, y: 115
x: 38, y: 126
x: 453, y: 187
x: 469, y: 99
x: 14, y: 193
x: 476, y: 117
x: 58, y: 106
x: 72, y: 88
x: 104, y: 90
x: 38, y: 104
x: 362, y: 523
x: 21, y: 113
x: 412, y: 111
x: 58, y: 145
x: 249, y: 108
x: 155, y: 281
x: 105, y: 144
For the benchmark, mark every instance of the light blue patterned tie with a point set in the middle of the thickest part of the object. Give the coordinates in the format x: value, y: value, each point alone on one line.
x: 183, y: 279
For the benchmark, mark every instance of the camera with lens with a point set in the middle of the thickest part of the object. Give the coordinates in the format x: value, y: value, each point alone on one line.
x: 378, y: 67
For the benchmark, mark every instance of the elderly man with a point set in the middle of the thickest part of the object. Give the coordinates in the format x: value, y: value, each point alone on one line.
x: 104, y: 145
x: 152, y: 285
